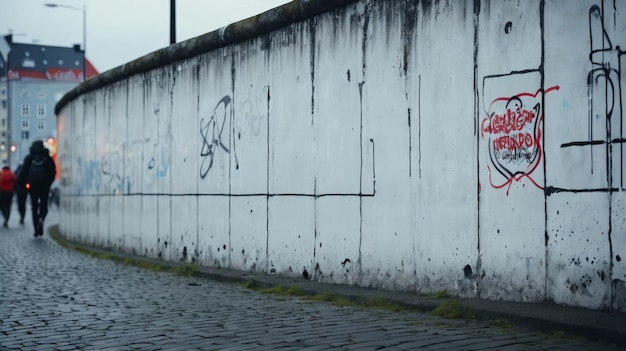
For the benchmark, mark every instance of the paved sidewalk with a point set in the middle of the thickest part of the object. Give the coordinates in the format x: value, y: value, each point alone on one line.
x: 543, y: 317
x: 53, y: 298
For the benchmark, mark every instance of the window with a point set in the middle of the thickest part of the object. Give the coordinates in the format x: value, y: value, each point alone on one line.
x: 24, y: 124
x: 24, y: 135
x: 4, y: 122
x: 4, y: 104
x: 24, y: 93
x: 28, y: 63
x: 41, y: 125
x: 41, y: 110
x: 25, y: 109
x: 41, y: 95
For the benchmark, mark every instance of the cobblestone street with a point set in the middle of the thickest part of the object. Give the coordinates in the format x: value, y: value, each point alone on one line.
x: 52, y: 298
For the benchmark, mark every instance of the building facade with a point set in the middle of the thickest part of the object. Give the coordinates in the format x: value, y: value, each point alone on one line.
x: 35, y: 78
x: 4, y: 103
x: 3, y: 119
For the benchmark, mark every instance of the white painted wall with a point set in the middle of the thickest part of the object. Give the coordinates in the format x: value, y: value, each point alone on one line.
x: 371, y: 145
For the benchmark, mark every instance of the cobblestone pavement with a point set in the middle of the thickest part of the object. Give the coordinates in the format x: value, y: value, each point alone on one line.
x: 52, y: 298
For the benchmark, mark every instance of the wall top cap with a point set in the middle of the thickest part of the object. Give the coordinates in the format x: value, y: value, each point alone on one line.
x: 264, y: 23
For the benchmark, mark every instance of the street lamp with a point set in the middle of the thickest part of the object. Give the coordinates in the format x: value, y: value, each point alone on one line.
x: 172, y: 22
x: 84, y: 11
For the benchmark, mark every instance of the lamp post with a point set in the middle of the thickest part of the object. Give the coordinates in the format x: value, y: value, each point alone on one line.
x: 84, y: 11
x: 172, y: 22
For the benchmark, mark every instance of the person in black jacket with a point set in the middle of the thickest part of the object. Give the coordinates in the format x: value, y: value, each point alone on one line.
x: 38, y: 172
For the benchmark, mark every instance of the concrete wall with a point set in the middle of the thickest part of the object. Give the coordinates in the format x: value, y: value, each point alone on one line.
x: 473, y: 147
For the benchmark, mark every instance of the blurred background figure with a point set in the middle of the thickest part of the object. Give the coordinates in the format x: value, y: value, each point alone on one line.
x: 7, y: 183
x: 38, y: 174
x: 21, y: 193
x: 54, y: 194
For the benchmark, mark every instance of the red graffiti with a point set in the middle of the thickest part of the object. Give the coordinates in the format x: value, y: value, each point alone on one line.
x: 513, y: 142
x: 511, y: 120
x: 514, y: 129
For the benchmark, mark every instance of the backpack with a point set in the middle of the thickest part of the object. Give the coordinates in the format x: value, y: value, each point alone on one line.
x: 37, y: 170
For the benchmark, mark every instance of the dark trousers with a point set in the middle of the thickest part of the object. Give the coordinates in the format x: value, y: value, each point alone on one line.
x: 21, y: 203
x: 5, y: 204
x: 39, y: 203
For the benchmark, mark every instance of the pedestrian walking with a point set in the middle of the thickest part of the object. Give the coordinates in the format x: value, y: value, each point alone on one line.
x: 21, y: 193
x: 7, y: 184
x: 38, y: 173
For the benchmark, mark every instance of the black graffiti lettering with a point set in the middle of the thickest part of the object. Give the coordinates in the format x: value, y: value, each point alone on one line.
x: 211, y: 136
x: 604, y: 96
x: 517, y: 156
x: 114, y: 180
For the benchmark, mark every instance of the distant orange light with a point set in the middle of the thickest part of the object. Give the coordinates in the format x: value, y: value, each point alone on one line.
x: 27, y: 186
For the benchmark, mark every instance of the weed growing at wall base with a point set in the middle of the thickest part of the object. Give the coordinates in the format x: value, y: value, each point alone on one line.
x: 330, y: 297
x: 294, y: 290
x: 440, y: 295
x: 186, y: 270
x: 382, y: 303
x: 250, y: 284
x: 454, y: 309
x: 283, y: 290
x: 502, y: 323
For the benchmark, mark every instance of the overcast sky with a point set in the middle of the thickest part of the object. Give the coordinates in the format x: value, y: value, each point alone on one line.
x: 119, y: 31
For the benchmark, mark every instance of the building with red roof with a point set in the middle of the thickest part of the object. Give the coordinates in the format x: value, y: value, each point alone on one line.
x: 33, y: 78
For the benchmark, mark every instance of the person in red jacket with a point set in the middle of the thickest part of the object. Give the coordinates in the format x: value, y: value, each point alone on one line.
x: 7, y: 183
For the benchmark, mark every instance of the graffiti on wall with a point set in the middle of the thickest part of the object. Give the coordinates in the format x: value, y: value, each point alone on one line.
x: 114, y: 180
x: 512, y: 128
x: 104, y: 175
x: 605, y: 98
x: 211, y: 134
x: 251, y: 115
x: 219, y: 132
x: 158, y: 151
x: 159, y: 163
x: 90, y: 176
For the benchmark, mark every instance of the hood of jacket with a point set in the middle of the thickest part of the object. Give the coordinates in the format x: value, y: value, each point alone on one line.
x: 38, y: 148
